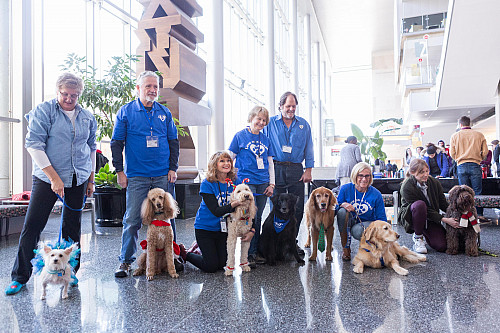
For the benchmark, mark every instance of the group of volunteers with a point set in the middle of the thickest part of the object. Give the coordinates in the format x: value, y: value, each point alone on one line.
x: 273, y: 155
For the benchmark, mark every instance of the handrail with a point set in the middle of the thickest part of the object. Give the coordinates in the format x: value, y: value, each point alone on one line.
x: 9, y: 120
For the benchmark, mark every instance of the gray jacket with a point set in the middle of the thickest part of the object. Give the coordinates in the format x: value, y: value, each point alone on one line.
x: 350, y: 155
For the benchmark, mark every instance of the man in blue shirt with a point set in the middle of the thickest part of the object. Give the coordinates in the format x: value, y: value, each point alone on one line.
x: 291, y: 141
x: 146, y: 130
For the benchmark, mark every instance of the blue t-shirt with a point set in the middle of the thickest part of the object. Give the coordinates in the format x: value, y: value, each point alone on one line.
x: 205, y: 220
x: 133, y: 124
x: 371, y: 208
x: 248, y: 146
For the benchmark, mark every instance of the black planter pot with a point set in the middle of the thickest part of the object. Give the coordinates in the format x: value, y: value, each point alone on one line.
x: 110, y: 206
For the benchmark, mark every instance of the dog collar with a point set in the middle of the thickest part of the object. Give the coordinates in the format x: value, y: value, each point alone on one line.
x: 280, y: 224
x: 160, y: 223
x: 158, y: 213
x: 469, y: 217
x: 381, y: 258
x: 59, y: 272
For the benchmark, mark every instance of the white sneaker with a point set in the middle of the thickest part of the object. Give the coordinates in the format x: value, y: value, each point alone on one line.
x: 419, y: 245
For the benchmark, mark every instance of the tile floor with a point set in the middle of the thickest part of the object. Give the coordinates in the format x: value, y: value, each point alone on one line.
x: 445, y: 294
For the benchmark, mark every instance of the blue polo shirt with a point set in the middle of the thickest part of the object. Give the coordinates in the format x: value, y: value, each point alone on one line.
x: 133, y: 124
x: 248, y: 147
x: 370, y: 204
x: 298, y: 136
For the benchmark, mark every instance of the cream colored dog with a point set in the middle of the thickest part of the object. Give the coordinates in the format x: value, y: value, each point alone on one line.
x: 238, y: 225
x: 379, y: 248
x: 56, y: 269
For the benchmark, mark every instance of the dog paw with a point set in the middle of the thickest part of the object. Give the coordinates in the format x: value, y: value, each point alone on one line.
x: 149, y: 277
x: 307, y: 245
x: 228, y: 273
x: 64, y: 296
x: 42, y: 297
x: 312, y: 258
x: 422, y: 258
x: 137, y: 272
x: 329, y: 257
x: 473, y: 253
x: 357, y: 269
x: 401, y: 270
x: 301, y: 262
x: 174, y: 275
x: 451, y: 252
x: 246, y: 268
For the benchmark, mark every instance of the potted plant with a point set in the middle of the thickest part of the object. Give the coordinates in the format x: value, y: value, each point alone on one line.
x: 110, y: 198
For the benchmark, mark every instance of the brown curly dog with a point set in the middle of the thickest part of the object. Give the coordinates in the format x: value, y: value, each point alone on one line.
x: 462, y: 209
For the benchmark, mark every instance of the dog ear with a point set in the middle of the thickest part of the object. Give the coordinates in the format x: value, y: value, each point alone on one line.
x: 311, y: 202
x: 46, y: 249
x: 274, y: 199
x: 147, y: 211
x: 170, y: 206
x: 68, y: 250
x: 369, y: 232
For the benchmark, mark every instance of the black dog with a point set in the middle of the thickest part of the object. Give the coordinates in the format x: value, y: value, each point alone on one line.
x: 278, y: 232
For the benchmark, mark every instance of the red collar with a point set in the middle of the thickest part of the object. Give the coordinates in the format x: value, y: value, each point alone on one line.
x: 160, y: 223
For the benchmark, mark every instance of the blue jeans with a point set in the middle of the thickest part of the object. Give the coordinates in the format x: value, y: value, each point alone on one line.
x: 470, y: 174
x: 40, y: 206
x: 137, y: 191
x: 287, y: 181
x: 356, y: 228
x: 260, y: 202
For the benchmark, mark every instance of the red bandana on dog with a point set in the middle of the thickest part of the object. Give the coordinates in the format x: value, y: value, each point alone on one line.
x: 177, y: 250
x: 160, y: 223
x: 469, y: 217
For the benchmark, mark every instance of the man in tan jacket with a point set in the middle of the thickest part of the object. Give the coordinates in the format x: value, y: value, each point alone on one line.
x: 468, y: 148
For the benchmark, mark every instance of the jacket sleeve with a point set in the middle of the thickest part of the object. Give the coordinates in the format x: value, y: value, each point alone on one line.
x: 357, y: 153
x: 173, y: 146
x: 444, y: 165
x: 213, y: 206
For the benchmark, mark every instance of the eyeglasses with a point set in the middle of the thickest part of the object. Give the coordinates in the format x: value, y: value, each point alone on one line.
x: 364, y: 176
x: 66, y: 95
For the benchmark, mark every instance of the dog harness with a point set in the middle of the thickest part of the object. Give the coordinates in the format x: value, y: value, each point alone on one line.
x: 160, y: 223
x: 279, y: 224
x: 59, y: 272
x: 469, y: 217
x: 381, y: 258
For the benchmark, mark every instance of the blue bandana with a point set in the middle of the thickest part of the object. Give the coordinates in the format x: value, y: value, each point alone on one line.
x: 279, y: 224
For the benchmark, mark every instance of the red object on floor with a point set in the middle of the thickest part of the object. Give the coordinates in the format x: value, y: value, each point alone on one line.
x: 26, y: 195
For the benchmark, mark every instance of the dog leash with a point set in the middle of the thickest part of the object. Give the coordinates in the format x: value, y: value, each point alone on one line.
x: 73, y: 209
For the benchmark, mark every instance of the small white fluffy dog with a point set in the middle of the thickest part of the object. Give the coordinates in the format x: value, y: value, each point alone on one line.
x: 238, y: 225
x: 57, y: 269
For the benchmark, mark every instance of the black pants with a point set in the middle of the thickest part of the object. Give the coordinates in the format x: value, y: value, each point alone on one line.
x: 41, y: 203
x: 213, y: 246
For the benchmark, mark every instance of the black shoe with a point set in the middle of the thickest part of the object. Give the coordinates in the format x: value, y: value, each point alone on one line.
x: 260, y: 260
x: 179, y: 267
x: 251, y: 261
x: 300, y: 251
x: 123, y: 270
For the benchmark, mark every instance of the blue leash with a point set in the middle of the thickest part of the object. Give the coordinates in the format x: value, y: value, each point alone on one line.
x: 73, y: 209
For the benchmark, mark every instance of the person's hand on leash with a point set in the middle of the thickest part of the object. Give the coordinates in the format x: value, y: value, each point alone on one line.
x: 122, y: 179
x: 347, y: 206
x: 269, y: 190
x: 57, y: 187
x: 90, y: 188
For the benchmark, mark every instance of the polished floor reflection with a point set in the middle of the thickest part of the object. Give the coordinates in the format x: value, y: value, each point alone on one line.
x: 445, y: 294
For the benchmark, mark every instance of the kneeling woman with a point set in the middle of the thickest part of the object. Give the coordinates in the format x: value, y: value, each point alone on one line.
x: 215, y: 191
x: 421, y: 199
x: 360, y: 204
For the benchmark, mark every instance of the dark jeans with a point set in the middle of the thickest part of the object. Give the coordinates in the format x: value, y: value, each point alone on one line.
x: 287, y: 181
x: 213, y: 247
x: 41, y: 203
x: 470, y: 174
x: 260, y: 202
x: 434, y: 233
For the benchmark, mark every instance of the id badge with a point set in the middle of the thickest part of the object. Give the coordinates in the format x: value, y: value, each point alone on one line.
x: 151, y: 141
x: 260, y: 162
x: 286, y: 149
x: 223, y: 223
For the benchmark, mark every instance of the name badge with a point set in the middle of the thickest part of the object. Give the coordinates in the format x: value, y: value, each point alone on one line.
x: 223, y: 223
x: 260, y: 162
x: 286, y: 149
x: 151, y: 141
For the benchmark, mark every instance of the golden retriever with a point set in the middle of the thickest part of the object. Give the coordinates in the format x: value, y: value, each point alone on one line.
x: 379, y: 247
x: 239, y: 224
x: 320, y: 210
x: 156, y: 211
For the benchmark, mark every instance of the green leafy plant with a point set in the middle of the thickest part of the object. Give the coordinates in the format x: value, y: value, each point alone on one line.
x: 371, y: 146
x: 106, y: 178
x: 106, y: 95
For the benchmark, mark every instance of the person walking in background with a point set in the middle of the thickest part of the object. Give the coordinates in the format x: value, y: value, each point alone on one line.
x: 61, y: 140
x: 437, y: 162
x: 254, y: 161
x: 291, y: 141
x: 408, y: 158
x: 388, y: 168
x: 468, y: 148
x: 496, y: 154
x: 486, y: 165
x: 146, y: 130
x: 350, y: 155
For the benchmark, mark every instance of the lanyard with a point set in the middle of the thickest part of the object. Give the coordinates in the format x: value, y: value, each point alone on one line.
x: 147, y: 117
x: 225, y: 193
x: 356, y: 208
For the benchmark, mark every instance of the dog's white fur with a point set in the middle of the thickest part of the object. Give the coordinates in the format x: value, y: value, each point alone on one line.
x: 159, y: 205
x: 381, y: 242
x: 238, y: 225
x: 56, y: 269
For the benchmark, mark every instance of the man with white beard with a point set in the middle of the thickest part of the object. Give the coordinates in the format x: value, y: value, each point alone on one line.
x: 146, y: 130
